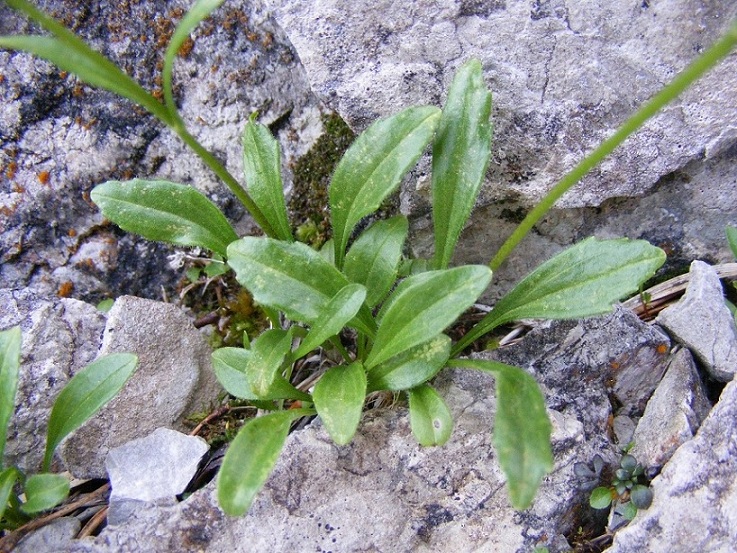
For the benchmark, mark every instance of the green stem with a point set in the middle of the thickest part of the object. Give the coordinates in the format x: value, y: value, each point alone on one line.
x: 682, y: 81
x: 212, y: 162
x: 335, y: 341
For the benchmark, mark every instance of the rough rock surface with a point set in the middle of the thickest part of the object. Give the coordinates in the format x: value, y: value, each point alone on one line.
x: 173, y: 380
x: 563, y: 75
x: 385, y: 493
x: 52, y: 537
x: 58, y: 339
x: 702, y: 322
x: 59, y: 138
x: 695, y: 497
x: 673, y: 414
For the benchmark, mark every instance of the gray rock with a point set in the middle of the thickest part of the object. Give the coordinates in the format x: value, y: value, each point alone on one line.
x: 174, y: 379
x: 159, y: 465
x: 59, y: 337
x: 55, y: 536
x: 148, y: 469
x: 695, y: 498
x: 581, y: 363
x: 702, y: 322
x: 673, y: 414
x: 382, y: 492
x: 59, y: 138
x: 563, y: 77
x: 623, y: 428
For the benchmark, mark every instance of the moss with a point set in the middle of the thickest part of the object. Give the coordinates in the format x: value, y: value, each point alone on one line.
x: 308, y: 204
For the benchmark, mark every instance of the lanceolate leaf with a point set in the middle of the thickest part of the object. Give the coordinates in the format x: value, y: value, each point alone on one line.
x: 262, y: 167
x: 337, y: 313
x: 732, y: 239
x: 229, y: 365
x: 412, y: 367
x: 265, y: 358
x: 291, y: 277
x: 10, y: 341
x: 423, y: 305
x: 460, y: 155
x: 166, y: 212
x: 251, y: 458
x: 582, y: 281
x: 429, y: 416
x: 338, y: 397
x: 374, y: 257
x: 44, y: 491
x: 70, y: 53
x: 84, y: 395
x: 374, y: 165
x: 521, y: 429
x: 8, y: 478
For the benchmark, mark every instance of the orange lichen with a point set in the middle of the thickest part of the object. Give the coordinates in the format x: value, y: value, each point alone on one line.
x: 11, y: 170
x: 662, y: 349
x: 43, y: 177
x: 66, y: 289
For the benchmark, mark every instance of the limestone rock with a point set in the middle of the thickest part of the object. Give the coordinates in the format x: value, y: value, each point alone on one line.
x: 673, y: 414
x: 702, y: 322
x: 59, y: 337
x: 173, y: 380
x: 54, y: 536
x: 563, y: 77
x: 59, y: 138
x: 695, y: 498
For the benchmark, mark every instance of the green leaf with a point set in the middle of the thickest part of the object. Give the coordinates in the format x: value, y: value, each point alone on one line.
x: 424, y: 305
x: 84, y: 395
x: 68, y: 52
x: 44, y: 491
x: 583, y: 280
x: 265, y: 359
x: 291, y: 277
x: 641, y: 496
x: 627, y: 510
x: 251, y: 458
x: 521, y: 429
x: 373, y: 167
x: 336, y: 314
x: 600, y: 497
x: 374, y: 257
x: 199, y: 11
x: 732, y: 239
x: 10, y: 341
x: 166, y: 212
x: 229, y: 365
x: 411, y: 367
x: 262, y: 168
x: 429, y: 416
x: 8, y: 477
x: 460, y: 156
x: 338, y: 398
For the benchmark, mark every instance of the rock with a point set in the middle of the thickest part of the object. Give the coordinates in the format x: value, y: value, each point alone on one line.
x: 580, y: 363
x: 55, y: 536
x: 623, y: 428
x: 59, y: 138
x: 59, y: 337
x: 673, y: 414
x: 695, y: 498
x: 451, y: 498
x: 563, y: 78
x: 148, y: 469
x: 702, y: 322
x: 174, y: 379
